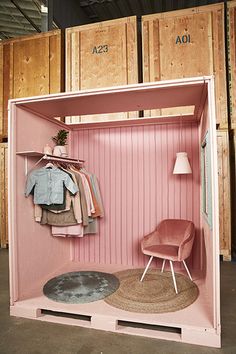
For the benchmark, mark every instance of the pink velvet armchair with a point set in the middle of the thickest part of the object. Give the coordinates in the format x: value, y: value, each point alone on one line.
x: 172, y: 240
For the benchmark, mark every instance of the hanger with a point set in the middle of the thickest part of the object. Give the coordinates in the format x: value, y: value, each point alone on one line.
x: 49, y: 165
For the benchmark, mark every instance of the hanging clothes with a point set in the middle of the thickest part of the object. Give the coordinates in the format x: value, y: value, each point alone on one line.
x: 38, y: 209
x: 63, y: 219
x: 76, y: 202
x: 66, y: 198
x: 83, y: 201
x: 70, y: 231
x: 48, y: 185
x: 96, y: 189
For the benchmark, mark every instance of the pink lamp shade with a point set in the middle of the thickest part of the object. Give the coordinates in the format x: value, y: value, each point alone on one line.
x: 182, y: 165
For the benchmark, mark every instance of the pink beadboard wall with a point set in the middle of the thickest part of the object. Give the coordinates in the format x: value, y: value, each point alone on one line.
x: 134, y: 167
x: 205, y: 230
x: 31, y: 241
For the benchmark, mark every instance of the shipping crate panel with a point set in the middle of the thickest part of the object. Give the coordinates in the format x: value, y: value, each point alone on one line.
x: 231, y: 24
x: 233, y: 188
x: 186, y: 43
x: 1, y: 91
x: 31, y: 66
x: 4, y: 198
x: 224, y: 194
x: 101, y: 55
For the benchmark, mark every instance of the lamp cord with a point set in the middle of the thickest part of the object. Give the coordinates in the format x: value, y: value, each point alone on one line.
x: 181, y: 132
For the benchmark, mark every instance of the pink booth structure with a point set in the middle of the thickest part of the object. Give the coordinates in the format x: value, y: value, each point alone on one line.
x: 133, y: 160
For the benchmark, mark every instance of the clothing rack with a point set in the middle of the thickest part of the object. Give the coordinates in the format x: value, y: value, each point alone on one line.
x: 43, y: 156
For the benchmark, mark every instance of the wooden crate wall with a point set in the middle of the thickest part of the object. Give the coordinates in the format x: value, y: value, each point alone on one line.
x: 1, y: 92
x: 30, y: 66
x: 232, y: 137
x: 187, y: 43
x: 224, y: 193
x: 3, y: 199
x: 231, y: 24
x: 231, y: 41
x: 101, y: 55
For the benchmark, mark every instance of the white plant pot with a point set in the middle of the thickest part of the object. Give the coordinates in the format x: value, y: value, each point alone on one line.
x: 47, y: 150
x: 60, y: 150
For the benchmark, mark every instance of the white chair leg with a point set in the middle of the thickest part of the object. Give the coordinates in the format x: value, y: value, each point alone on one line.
x: 187, y: 270
x: 147, y: 266
x: 163, y: 265
x: 173, y: 276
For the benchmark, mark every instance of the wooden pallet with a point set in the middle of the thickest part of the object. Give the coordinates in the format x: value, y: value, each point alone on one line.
x: 121, y: 322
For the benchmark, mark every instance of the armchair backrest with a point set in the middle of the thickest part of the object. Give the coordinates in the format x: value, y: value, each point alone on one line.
x: 175, y: 231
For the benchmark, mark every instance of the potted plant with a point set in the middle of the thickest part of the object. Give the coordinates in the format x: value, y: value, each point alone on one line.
x: 60, y: 140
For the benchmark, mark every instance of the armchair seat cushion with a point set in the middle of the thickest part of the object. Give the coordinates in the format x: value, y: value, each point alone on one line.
x: 162, y: 251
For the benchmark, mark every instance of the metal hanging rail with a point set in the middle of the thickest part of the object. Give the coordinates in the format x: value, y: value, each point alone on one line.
x: 42, y: 156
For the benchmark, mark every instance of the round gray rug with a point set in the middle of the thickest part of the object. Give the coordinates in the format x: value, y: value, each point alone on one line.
x: 81, y: 287
x: 155, y: 294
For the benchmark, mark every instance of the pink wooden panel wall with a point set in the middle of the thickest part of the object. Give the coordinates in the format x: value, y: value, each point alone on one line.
x: 208, y: 251
x: 33, y: 242
x: 134, y: 166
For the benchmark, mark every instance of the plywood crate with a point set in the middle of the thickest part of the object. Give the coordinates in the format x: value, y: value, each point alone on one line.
x: 101, y: 55
x: 1, y: 91
x: 3, y: 199
x: 187, y: 43
x: 30, y: 66
x: 231, y: 26
x: 224, y: 194
x: 232, y: 141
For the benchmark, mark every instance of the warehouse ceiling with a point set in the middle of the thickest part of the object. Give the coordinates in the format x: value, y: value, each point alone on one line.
x: 24, y: 17
x: 19, y: 18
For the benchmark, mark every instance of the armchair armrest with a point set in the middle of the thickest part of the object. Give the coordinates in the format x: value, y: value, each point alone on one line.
x: 151, y: 239
x: 185, y: 247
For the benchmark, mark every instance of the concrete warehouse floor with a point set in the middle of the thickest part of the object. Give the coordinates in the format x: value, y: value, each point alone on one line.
x: 24, y: 336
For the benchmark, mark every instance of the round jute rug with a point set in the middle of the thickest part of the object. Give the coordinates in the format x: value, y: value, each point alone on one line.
x: 155, y: 294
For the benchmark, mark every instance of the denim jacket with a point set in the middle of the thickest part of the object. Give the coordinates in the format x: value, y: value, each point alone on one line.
x: 48, y: 184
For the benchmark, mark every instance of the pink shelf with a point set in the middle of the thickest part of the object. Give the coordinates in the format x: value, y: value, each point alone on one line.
x: 47, y: 156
